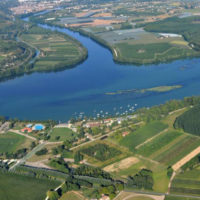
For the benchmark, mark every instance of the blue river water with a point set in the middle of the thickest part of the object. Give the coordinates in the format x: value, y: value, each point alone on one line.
x: 81, y: 90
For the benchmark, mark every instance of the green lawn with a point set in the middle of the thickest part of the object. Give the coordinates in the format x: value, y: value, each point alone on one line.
x: 17, y: 187
x: 142, y: 134
x: 62, y: 133
x: 9, y: 142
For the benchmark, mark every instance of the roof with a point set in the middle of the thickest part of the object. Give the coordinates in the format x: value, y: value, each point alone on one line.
x: 26, y: 129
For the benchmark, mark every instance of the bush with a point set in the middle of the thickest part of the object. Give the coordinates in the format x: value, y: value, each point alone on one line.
x: 42, y: 152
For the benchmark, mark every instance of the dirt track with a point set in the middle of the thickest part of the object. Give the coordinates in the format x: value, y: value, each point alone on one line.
x: 187, y: 158
x: 130, y: 195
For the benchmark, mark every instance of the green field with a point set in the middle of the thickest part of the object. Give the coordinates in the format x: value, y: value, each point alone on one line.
x: 1, y: 58
x: 142, y: 134
x: 17, y: 187
x: 187, y: 182
x: 158, y: 143
x: 177, y: 150
x: 101, y: 152
x: 61, y: 134
x: 150, y: 53
x: 57, y: 51
x: 9, y: 142
x: 178, y: 198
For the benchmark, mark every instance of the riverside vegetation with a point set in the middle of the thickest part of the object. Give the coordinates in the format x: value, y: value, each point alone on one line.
x: 26, y: 48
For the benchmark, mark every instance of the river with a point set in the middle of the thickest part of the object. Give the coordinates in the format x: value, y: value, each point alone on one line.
x: 81, y: 90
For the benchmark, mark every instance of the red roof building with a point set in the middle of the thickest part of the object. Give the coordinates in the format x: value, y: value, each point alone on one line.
x: 29, y: 130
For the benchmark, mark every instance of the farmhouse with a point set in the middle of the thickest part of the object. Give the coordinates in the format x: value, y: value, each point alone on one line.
x: 124, y: 134
x: 92, y: 124
x: 108, y: 122
x: 104, y: 197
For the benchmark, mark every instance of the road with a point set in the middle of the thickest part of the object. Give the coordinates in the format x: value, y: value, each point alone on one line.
x: 160, y: 194
x: 27, y: 156
x: 150, y: 139
x: 23, y: 134
x: 98, y: 138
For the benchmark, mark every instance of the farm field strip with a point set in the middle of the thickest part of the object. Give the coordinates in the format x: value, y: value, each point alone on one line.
x: 150, y: 139
x: 185, y: 150
x: 142, y: 134
x: 178, y: 150
x: 187, y: 158
x: 186, y: 183
x: 19, y: 187
x: 167, y: 147
x: 158, y: 143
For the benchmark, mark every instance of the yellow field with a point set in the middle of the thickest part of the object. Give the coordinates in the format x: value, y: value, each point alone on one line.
x: 179, y: 42
x: 123, y: 164
x: 72, y: 196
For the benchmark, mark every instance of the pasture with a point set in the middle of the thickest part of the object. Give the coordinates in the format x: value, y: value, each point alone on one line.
x: 10, y: 142
x: 61, y: 134
x: 13, y: 186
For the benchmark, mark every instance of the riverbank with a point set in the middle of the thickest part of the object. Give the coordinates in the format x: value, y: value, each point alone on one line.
x: 36, y: 49
x: 144, y: 53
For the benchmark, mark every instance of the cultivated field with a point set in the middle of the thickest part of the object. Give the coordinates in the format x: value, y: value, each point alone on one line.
x: 10, y: 142
x: 103, y: 153
x: 187, y: 182
x: 142, y: 134
x: 135, y: 196
x: 56, y: 50
x: 19, y: 187
x: 158, y: 143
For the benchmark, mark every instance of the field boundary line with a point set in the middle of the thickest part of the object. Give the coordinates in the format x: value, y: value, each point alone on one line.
x: 170, y: 182
x: 152, y: 138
